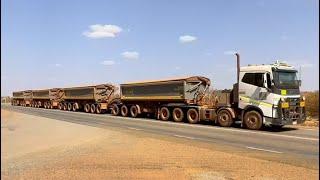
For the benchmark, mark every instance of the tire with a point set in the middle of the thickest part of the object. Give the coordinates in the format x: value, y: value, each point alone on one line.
x: 87, y: 108
x: 115, y: 110
x: 60, y: 106
x: 177, y: 115
x: 225, y: 118
x: 98, y: 109
x: 69, y: 107
x: 65, y: 106
x: 253, y: 120
x: 134, y: 111
x: 51, y: 106
x: 164, y: 114
x: 45, y: 105
x: 93, y: 108
x: 75, y: 107
x: 124, y: 110
x: 193, y: 116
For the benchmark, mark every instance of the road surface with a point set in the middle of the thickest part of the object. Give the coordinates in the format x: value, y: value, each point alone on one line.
x: 293, y: 145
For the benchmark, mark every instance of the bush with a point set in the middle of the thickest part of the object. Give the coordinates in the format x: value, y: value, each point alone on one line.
x: 312, y: 103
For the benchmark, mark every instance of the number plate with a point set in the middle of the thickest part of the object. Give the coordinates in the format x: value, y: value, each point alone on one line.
x: 103, y: 106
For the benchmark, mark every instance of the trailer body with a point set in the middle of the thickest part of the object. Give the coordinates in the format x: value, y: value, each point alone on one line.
x: 178, y: 96
x: 17, y: 98
x: 94, y: 99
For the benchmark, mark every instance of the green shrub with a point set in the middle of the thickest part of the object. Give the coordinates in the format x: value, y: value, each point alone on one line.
x: 312, y: 103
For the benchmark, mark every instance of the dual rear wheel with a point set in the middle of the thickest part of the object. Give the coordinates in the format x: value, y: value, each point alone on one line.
x: 178, y: 114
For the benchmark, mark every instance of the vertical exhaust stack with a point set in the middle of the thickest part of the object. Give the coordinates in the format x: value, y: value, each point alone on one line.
x: 238, y: 67
x: 235, y: 90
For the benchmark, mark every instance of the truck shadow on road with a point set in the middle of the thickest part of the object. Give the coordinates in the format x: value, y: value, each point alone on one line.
x: 238, y: 126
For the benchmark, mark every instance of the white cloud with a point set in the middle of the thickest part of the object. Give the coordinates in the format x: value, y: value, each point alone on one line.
x: 177, y: 67
x: 229, y: 52
x: 108, y: 63
x: 187, y: 39
x: 58, y: 65
x: 102, y: 31
x: 130, y: 55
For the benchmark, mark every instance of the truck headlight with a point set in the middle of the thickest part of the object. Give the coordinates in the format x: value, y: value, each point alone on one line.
x: 302, y: 104
x: 285, y: 105
x: 303, y: 98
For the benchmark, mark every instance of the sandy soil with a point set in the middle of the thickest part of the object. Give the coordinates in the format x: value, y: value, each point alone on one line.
x: 40, y: 148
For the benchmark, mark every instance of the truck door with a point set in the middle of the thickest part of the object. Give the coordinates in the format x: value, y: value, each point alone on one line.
x: 252, y: 91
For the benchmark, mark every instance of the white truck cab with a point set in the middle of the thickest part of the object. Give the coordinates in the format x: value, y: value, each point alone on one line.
x: 269, y: 95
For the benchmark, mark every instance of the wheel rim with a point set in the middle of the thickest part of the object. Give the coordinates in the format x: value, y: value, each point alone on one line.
x: 69, y: 107
x: 252, y: 121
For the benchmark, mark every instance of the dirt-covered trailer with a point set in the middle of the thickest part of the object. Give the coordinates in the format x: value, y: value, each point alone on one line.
x: 40, y: 98
x: 94, y: 99
x: 172, y: 98
x: 17, y: 98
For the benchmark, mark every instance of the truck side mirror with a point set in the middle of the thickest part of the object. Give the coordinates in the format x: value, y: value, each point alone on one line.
x: 299, y: 82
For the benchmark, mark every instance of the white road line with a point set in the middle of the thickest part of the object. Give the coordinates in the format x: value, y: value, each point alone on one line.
x: 175, y: 135
x: 267, y: 150
x: 207, y: 127
x: 134, y: 128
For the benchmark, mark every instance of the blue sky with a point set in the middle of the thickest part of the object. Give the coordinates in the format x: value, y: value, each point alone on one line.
x: 59, y: 43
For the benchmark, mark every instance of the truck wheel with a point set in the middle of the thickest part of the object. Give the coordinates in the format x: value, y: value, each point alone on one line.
x: 177, y: 114
x: 164, y: 114
x: 253, y: 120
x: 69, y: 106
x: 98, y: 109
x: 75, y: 107
x: 51, y: 106
x: 65, y: 106
x: 193, y: 116
x: 93, y: 108
x: 39, y: 104
x: 124, y: 110
x: 87, y: 108
x: 45, y: 105
x: 224, y: 118
x: 115, y: 110
x: 60, y: 106
x: 134, y: 111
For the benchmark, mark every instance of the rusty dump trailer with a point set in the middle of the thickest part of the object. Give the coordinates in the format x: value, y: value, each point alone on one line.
x: 40, y: 98
x: 22, y: 98
x: 32, y: 98
x: 178, y: 99
x: 17, y: 98
x: 94, y: 99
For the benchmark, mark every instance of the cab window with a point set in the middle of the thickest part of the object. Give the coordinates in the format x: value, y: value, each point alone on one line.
x: 255, y: 79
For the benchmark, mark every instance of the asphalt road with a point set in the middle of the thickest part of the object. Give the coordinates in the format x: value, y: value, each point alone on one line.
x: 293, y: 145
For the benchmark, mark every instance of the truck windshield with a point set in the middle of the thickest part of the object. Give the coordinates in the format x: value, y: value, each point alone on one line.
x: 285, y: 79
